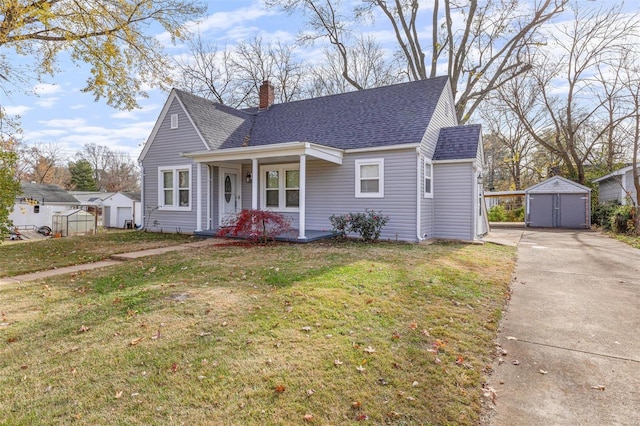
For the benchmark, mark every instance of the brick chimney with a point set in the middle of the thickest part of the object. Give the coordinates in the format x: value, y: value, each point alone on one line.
x: 266, y: 95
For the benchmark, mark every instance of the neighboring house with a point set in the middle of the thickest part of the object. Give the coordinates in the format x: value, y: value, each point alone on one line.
x: 616, y: 186
x: 37, y: 203
x: 91, y: 201
x: 122, y: 210
x: 395, y: 149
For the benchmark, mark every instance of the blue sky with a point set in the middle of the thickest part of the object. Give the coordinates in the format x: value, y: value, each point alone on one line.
x: 58, y: 112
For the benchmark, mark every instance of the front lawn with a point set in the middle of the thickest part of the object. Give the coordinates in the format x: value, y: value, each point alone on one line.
x: 325, y: 333
x: 31, y: 256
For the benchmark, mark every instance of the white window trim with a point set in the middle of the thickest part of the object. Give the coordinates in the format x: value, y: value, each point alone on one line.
x: 374, y: 161
x: 282, y: 197
x: 424, y: 178
x: 174, y: 121
x: 175, y: 170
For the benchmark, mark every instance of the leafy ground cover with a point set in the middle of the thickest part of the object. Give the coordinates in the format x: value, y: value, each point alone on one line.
x: 31, y: 256
x: 325, y: 333
x: 632, y: 240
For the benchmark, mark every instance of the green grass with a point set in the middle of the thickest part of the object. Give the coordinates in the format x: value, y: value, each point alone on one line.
x: 258, y: 335
x: 632, y: 240
x: 31, y: 256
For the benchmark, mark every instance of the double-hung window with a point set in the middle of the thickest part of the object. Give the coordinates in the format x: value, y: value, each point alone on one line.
x: 428, y: 179
x: 174, y: 192
x: 281, y: 187
x: 370, y: 178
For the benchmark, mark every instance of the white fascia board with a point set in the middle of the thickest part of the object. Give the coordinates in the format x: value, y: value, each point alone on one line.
x: 618, y: 172
x: 462, y: 160
x: 268, y: 151
x: 383, y: 148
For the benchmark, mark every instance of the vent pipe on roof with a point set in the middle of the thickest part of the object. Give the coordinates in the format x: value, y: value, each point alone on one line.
x: 266, y: 95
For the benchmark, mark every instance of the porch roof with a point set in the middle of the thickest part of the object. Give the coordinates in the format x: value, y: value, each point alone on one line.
x: 333, y: 155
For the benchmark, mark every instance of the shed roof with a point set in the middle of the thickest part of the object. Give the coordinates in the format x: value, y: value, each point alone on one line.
x: 47, y: 193
x: 557, y: 185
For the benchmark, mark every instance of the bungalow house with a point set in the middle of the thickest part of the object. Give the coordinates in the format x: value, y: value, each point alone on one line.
x: 616, y: 186
x: 396, y: 149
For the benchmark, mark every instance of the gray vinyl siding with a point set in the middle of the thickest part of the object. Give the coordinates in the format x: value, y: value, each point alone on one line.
x: 629, y: 187
x: 165, y: 150
x: 331, y: 190
x: 609, y: 190
x: 443, y: 116
x: 454, y: 201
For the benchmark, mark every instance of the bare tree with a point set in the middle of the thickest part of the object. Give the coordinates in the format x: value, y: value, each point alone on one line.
x: 207, y: 72
x: 43, y: 163
x: 558, y: 101
x: 232, y: 76
x: 368, y: 66
x: 99, y: 157
x: 121, y: 174
x: 482, y: 45
x: 512, y: 146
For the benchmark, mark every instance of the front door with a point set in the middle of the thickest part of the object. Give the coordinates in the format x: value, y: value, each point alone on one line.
x: 230, y: 201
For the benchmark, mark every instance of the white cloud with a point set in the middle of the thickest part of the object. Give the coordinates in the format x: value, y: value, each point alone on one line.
x: 70, y: 124
x: 77, y: 106
x: 46, y: 89
x: 47, y: 102
x: 17, y: 109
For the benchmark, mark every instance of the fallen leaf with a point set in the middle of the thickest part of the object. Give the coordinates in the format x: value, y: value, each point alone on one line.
x: 174, y: 367
x: 310, y: 392
x: 360, y: 368
x: 280, y: 388
x: 543, y: 371
x: 369, y: 350
x: 413, y: 325
x: 459, y: 360
x: 118, y: 394
x: 414, y: 384
x: 306, y: 328
x: 356, y: 405
x: 136, y: 341
x: 511, y: 338
x: 361, y: 417
x: 337, y: 362
x: 598, y: 387
x: 395, y: 336
x: 308, y: 417
x: 425, y: 332
x: 152, y: 269
x: 515, y: 362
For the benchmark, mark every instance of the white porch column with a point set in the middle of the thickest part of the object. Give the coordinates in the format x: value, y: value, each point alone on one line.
x: 198, y: 197
x: 303, y: 196
x: 254, y: 183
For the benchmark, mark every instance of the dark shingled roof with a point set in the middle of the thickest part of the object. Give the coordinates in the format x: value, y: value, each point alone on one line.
x: 390, y: 115
x: 217, y: 123
x: 47, y: 192
x: 457, y: 143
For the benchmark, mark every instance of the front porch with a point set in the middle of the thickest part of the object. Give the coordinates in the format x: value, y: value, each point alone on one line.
x: 290, y: 237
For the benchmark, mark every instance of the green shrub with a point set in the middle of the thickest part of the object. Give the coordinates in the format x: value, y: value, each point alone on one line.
x: 622, y: 219
x: 497, y: 214
x: 368, y: 224
x: 601, y: 214
x: 516, y: 215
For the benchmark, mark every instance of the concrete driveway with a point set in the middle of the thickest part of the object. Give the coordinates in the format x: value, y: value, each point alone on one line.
x: 571, y: 332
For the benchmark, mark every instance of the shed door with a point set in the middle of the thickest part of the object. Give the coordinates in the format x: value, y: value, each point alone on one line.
x: 106, y: 216
x: 573, y: 211
x: 542, y: 210
x: 123, y: 213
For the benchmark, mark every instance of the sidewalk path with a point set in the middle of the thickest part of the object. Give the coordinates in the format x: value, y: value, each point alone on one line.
x: 114, y: 259
x: 571, y: 333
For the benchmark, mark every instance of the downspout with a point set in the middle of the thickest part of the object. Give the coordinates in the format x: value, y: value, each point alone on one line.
x: 142, y: 224
x: 418, y: 210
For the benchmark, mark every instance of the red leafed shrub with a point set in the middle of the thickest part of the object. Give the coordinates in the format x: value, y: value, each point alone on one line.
x: 256, y: 225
